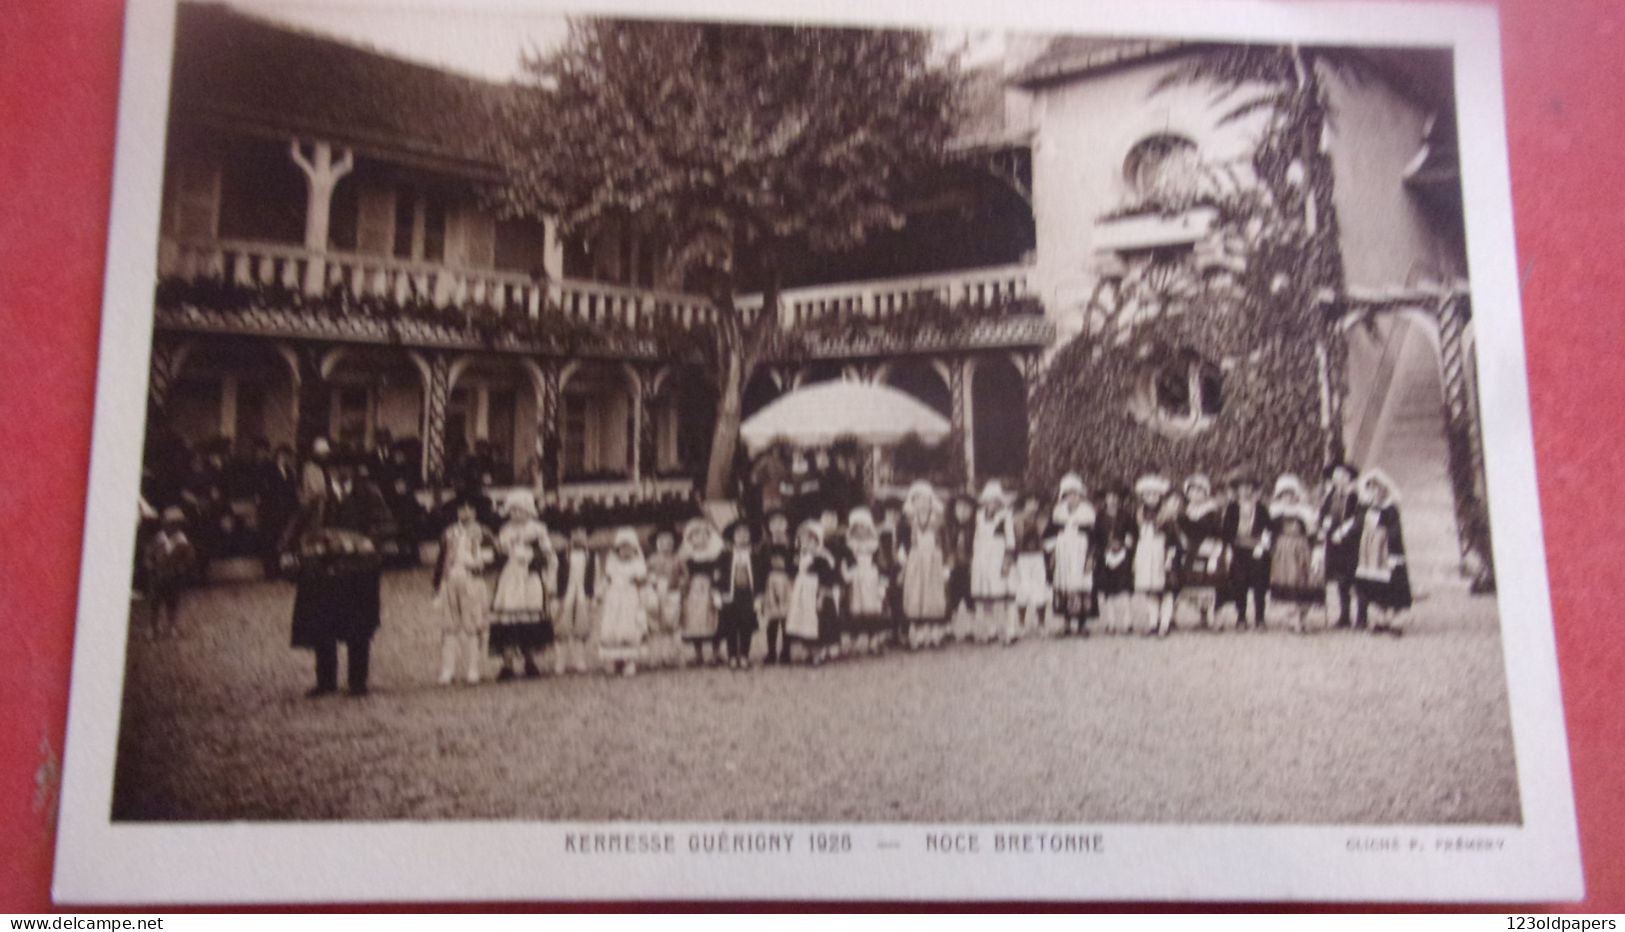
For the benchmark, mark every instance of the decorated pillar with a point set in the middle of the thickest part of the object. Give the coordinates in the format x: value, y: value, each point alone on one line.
x: 166, y: 359
x: 322, y: 174
x: 436, y: 395
x: 1030, y: 365
x: 550, y: 465
x: 645, y: 459
x: 962, y: 449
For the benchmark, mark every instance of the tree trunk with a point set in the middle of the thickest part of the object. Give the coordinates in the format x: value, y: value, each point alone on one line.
x: 739, y: 346
x: 725, y: 438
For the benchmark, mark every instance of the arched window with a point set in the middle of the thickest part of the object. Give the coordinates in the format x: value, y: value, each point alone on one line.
x: 1163, y: 165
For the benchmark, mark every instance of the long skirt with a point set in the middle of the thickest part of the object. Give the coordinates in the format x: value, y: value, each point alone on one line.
x: 925, y: 594
x: 699, y: 613
x: 987, y: 575
x: 1292, y: 576
x: 1030, y: 581
x: 519, y: 611
x: 622, y: 625
x: 803, y: 622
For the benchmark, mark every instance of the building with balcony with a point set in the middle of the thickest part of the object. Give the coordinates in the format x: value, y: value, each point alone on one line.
x: 329, y: 266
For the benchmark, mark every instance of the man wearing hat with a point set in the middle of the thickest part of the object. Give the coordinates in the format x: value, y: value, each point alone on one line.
x: 1243, y: 529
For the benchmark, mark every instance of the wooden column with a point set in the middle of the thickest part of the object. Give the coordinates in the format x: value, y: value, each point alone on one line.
x: 322, y: 174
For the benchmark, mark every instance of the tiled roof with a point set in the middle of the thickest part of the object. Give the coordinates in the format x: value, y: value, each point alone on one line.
x: 1067, y: 56
x: 235, y: 68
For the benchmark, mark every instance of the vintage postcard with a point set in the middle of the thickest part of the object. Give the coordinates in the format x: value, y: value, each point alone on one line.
x: 835, y: 450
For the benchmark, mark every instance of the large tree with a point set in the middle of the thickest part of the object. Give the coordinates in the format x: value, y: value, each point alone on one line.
x: 736, y: 144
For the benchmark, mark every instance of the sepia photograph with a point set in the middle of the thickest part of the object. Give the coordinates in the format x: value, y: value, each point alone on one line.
x: 562, y: 417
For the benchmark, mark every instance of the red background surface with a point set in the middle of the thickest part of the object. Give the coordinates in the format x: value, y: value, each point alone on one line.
x: 59, y: 60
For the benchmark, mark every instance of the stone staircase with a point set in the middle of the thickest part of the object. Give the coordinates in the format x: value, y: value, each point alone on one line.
x: 1409, y: 444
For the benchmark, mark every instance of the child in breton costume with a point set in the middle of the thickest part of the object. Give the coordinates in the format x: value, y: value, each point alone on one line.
x: 740, y: 586
x: 810, y: 619
x: 663, y: 600
x: 866, y: 619
x: 775, y: 611
x: 1381, y: 579
x: 520, y: 627
x: 575, y: 589
x: 1068, y: 541
x: 1296, y: 566
x: 992, y: 556
x: 1339, y: 520
x: 623, y: 624
x: 170, y: 561
x: 1114, y: 566
x: 1029, y: 578
x: 1156, y: 554
x: 461, y: 596
x: 701, y: 559
x: 922, y: 545
x: 960, y: 531
x: 1244, y: 527
x: 1206, y: 569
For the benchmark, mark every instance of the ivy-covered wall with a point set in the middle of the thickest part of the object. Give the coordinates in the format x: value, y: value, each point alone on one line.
x: 1094, y: 413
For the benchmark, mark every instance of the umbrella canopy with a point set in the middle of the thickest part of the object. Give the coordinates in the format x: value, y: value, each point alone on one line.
x: 820, y: 414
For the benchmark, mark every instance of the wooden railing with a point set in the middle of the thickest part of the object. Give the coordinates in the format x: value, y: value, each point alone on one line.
x: 879, y: 298
x: 250, y: 264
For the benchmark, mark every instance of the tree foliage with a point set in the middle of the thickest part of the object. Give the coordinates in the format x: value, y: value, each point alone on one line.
x: 736, y: 143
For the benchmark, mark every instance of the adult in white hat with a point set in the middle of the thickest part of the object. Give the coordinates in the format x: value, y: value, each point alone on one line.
x: 1381, y: 576
x: 520, y: 627
x: 992, y: 556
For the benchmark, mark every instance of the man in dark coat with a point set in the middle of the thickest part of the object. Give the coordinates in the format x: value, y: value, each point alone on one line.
x: 337, y: 595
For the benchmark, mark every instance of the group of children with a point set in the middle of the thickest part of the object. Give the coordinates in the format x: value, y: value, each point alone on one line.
x: 919, y: 574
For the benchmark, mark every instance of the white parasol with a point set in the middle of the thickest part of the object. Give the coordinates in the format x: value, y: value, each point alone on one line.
x: 820, y: 414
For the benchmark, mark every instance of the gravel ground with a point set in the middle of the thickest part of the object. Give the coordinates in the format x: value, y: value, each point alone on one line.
x: 1334, y: 727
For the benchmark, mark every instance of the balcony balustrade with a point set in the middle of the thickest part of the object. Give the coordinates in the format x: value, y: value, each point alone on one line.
x: 430, y: 303
x: 880, y: 298
x: 403, y: 281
